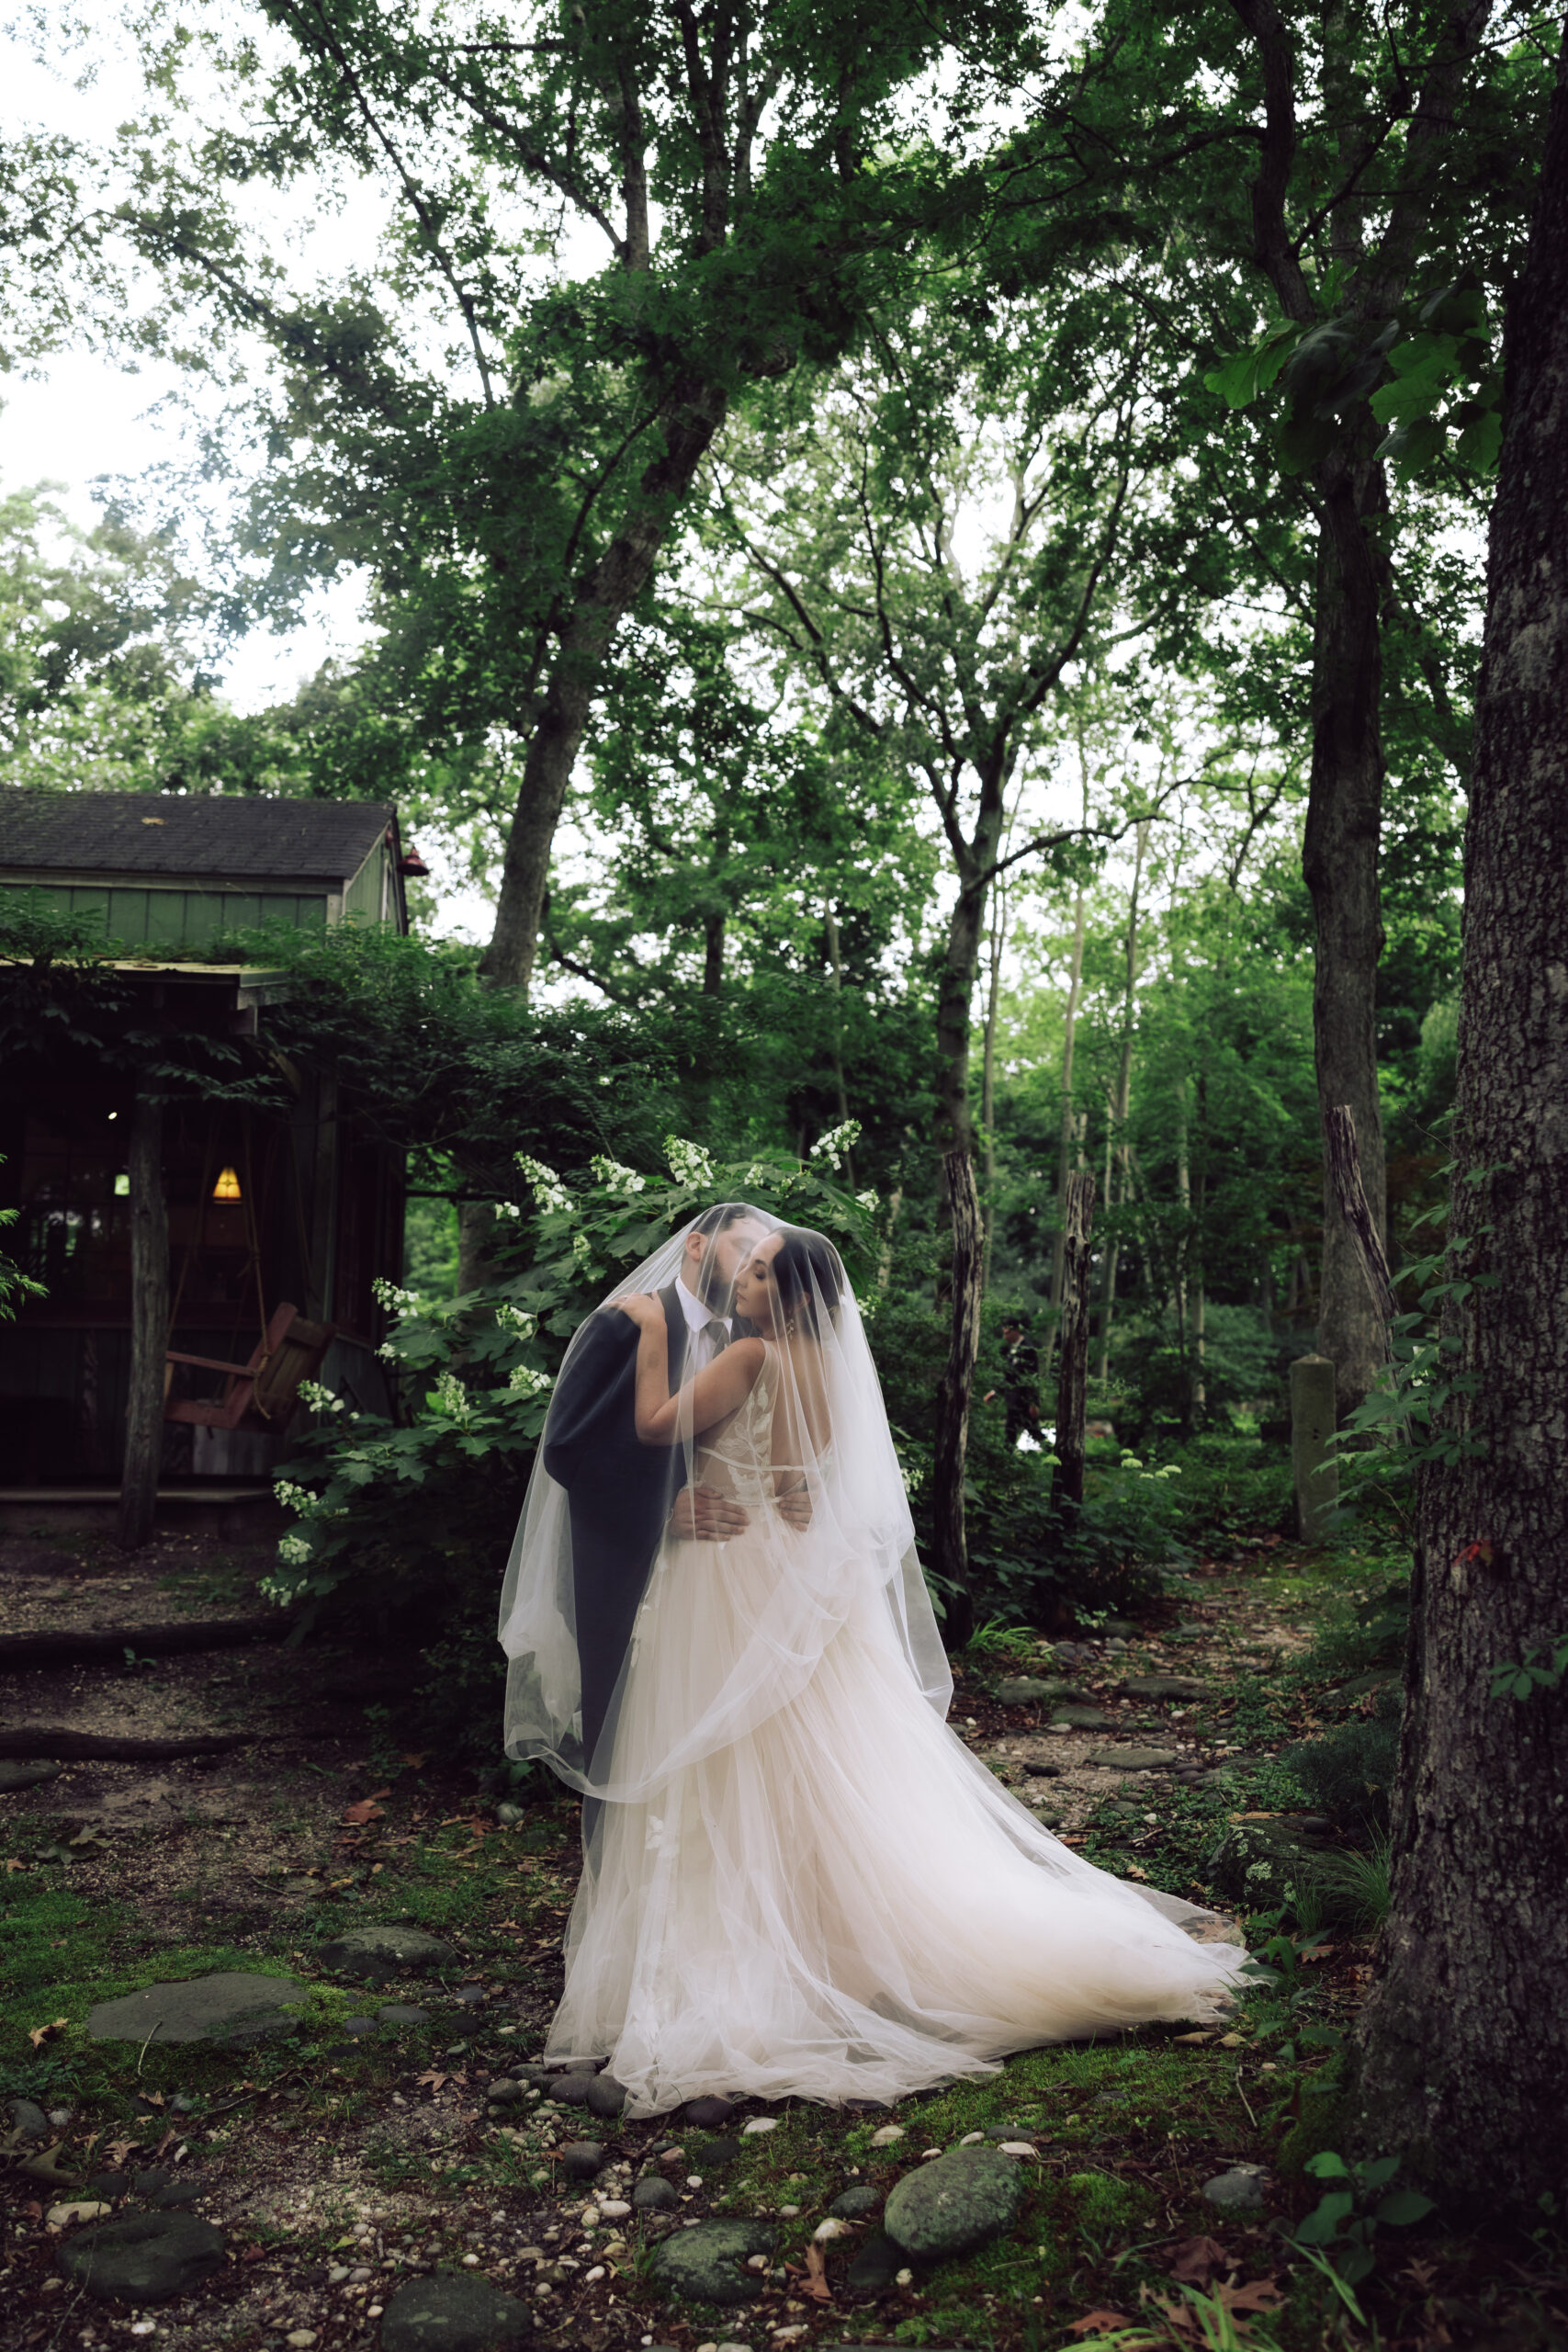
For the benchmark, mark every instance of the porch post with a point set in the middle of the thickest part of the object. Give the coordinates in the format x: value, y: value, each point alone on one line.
x: 149, y: 1324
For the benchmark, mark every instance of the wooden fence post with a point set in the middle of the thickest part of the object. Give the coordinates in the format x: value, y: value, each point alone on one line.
x: 149, y: 1324
x: 1072, y: 1380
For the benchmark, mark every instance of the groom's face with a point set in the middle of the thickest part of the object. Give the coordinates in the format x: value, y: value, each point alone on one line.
x: 723, y: 1255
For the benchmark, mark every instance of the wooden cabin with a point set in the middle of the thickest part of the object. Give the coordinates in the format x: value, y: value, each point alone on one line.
x: 263, y: 1212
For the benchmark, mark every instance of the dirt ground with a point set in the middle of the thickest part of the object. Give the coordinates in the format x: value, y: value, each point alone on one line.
x: 352, y: 2153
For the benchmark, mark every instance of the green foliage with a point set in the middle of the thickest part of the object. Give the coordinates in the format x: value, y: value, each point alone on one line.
x: 1356, y: 1887
x: 402, y: 1528
x: 1537, y: 1670
x: 1338, y: 2236
x: 1349, y: 1772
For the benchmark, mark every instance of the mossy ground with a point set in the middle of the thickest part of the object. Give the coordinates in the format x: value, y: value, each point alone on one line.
x: 319, y: 2147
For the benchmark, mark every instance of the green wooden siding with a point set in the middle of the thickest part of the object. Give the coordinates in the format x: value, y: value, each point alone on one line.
x: 170, y: 918
x: 362, y: 899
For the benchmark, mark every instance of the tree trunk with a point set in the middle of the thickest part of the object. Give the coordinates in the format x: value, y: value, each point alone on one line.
x: 1339, y: 859
x: 713, y: 953
x: 1122, y: 1109
x: 587, y: 632
x: 149, y: 1324
x: 1464, y: 2044
x: 988, y: 1083
x: 836, y: 966
x: 1072, y: 1381
x: 1069, y: 1126
x: 951, y: 1560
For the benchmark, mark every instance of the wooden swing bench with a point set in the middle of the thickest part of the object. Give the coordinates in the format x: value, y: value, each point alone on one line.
x: 262, y: 1394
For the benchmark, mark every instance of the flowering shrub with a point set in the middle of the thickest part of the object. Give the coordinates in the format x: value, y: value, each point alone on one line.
x: 402, y: 1526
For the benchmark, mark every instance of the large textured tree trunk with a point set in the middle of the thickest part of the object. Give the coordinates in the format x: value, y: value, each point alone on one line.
x: 952, y: 1548
x: 602, y: 601
x: 1340, y: 862
x: 1464, y: 2044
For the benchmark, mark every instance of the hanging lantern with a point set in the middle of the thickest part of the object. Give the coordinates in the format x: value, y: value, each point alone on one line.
x: 227, y: 1187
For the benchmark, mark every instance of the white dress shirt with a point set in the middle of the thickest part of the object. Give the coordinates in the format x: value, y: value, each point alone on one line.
x: 698, y: 1318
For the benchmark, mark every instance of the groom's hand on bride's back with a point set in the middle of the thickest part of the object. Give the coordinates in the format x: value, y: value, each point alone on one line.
x: 795, y: 1509
x: 708, y: 1517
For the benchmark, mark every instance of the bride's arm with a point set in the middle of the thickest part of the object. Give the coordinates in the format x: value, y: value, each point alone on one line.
x: 716, y: 1390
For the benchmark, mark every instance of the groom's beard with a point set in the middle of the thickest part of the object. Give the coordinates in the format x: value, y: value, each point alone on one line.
x: 716, y: 1294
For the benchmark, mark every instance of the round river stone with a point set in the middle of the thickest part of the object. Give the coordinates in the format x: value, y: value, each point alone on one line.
x: 142, y: 2258
x: 451, y: 2313
x: 386, y: 1951
x: 703, y: 2262
x: 962, y: 2201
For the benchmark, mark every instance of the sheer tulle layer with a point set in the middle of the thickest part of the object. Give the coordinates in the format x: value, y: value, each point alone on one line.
x: 841, y: 1902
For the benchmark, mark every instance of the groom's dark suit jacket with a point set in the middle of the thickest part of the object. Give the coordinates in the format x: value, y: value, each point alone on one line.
x: 619, y: 1491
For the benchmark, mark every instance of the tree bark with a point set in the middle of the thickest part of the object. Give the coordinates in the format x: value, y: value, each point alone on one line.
x: 1340, y: 860
x: 1463, y: 2047
x: 149, y: 1324
x: 1072, y: 1380
x: 1069, y: 1128
x: 988, y: 1083
x: 602, y: 601
x: 1121, y: 1107
x: 951, y: 1551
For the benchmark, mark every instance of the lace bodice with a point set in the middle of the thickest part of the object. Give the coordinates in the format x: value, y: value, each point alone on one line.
x: 735, y: 1457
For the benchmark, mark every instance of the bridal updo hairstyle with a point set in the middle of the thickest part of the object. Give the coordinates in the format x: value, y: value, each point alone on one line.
x: 807, y: 1269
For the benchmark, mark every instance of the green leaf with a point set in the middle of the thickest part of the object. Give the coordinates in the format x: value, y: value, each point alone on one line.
x: 1406, y: 2205
x: 1326, y: 2165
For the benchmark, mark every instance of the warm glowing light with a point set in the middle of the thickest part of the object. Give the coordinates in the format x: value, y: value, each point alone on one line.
x: 227, y: 1187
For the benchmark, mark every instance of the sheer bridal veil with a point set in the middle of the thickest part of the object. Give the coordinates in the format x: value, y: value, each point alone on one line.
x: 807, y: 1466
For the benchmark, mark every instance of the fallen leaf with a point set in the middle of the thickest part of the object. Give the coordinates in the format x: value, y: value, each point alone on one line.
x: 1196, y: 2260
x: 418, y: 1757
x: 11, y: 1864
x: 431, y: 2077
x: 814, y: 2282
x: 365, y: 1810
x: 117, y: 2151
x: 1255, y: 2295
x: 39, y: 2034
x: 1193, y: 2041
x: 1096, y: 2323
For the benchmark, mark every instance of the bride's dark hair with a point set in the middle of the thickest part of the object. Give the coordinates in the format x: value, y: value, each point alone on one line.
x: 807, y: 1269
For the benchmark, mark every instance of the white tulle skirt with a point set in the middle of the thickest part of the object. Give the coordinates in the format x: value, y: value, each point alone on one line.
x: 843, y: 1903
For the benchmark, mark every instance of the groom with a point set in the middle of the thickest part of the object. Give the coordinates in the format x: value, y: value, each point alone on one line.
x: 620, y: 1492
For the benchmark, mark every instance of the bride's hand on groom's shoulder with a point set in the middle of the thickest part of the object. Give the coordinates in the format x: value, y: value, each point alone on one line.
x: 642, y: 1308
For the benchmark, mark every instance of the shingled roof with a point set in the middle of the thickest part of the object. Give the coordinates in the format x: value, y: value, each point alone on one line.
x: 216, y: 836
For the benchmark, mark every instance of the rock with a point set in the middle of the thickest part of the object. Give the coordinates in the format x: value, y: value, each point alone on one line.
x: 506, y: 2093
x: 233, y: 2008
x: 402, y: 2012
x: 961, y: 2203
x: 612, y: 2208
x: 1031, y: 1690
x: 28, y: 2120
x: 378, y: 1954
x: 855, y: 2204
x: 1239, y: 2190
x: 1135, y: 1760
x: 359, y: 2027
x: 1041, y: 1771
x: 711, y: 2114
x: 654, y: 2196
x: 1164, y: 1685
x: 758, y: 2123
x: 605, y: 2095
x: 27, y: 1776
x: 712, y: 2156
x: 449, y: 2312
x: 1262, y: 1865
x: 142, y: 2257
x: 1047, y: 1816
x: 572, y: 2090
x: 887, y: 2134
x: 875, y: 2267
x: 59, y: 2217
x: 471, y: 1996
x: 1081, y: 1719
x: 705, y: 2264
x: 580, y: 2159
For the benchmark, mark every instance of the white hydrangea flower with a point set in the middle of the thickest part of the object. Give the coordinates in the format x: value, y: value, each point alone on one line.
x: 294, y: 1551
x: 320, y: 1399
x: 452, y: 1397
x: 513, y: 1319
x: 525, y: 1381
x: 583, y: 1251
x: 395, y: 1300
x: 835, y: 1143
x: 507, y: 1209
x: 869, y: 1202
x: 388, y: 1353
x: 759, y: 1173
x: 549, y: 1191
x: 689, y: 1163
x: 295, y: 1499
x: 623, y: 1183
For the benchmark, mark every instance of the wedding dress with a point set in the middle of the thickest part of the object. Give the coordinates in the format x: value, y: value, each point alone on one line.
x: 802, y: 1881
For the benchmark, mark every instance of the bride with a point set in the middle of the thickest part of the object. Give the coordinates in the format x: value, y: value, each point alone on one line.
x: 797, y: 1880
